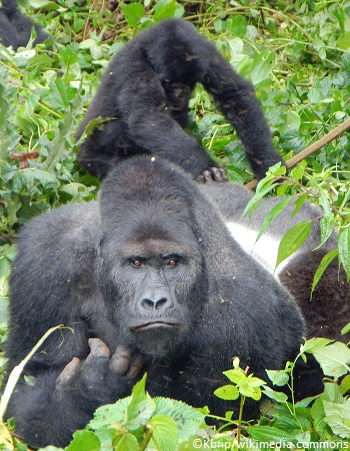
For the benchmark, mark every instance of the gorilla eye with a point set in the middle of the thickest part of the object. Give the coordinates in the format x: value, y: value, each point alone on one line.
x: 136, y: 263
x: 172, y: 263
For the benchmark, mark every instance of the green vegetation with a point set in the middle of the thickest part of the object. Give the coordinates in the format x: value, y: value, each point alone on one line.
x: 297, y: 56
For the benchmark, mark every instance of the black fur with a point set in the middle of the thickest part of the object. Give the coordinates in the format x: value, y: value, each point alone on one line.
x: 146, y: 89
x: 79, y: 266
x: 16, y: 29
x: 329, y: 309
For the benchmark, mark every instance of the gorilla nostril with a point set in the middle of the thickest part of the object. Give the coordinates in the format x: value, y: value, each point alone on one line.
x: 161, y: 303
x: 149, y: 304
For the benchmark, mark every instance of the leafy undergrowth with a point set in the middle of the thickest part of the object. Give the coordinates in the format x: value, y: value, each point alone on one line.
x: 139, y: 422
x: 297, y: 56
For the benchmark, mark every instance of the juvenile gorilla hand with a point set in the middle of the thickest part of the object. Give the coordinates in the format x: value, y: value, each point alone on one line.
x: 100, y: 368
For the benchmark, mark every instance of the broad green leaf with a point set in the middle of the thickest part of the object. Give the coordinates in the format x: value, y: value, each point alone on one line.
x: 313, y: 344
x: 236, y: 375
x: 292, y: 240
x: 164, y: 9
x: 275, y: 395
x: 86, y: 440
x: 133, y: 11
x: 227, y: 392
x: 334, y: 359
x: 278, y: 377
x: 126, y: 442
x: 344, y: 249
x: 108, y: 414
x: 268, y: 434
x: 187, y: 418
x: 325, y: 262
x: 343, y: 42
x: 164, y: 432
x: 338, y: 417
x: 141, y: 406
x: 276, y: 210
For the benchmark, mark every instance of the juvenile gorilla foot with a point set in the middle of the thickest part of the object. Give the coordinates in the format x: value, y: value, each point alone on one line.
x: 213, y: 174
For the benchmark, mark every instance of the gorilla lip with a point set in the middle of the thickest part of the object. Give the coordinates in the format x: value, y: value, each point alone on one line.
x: 153, y: 324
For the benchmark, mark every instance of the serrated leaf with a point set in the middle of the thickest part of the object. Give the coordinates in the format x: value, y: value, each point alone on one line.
x: 268, y: 434
x: 187, y: 418
x: 334, y: 359
x: 325, y: 262
x: 86, y: 440
x: 338, y: 417
x: 292, y: 240
x: 227, y: 392
x: 344, y: 249
x: 343, y: 42
x: 274, y: 212
x: 105, y: 415
x: 141, y: 407
x: 164, y: 432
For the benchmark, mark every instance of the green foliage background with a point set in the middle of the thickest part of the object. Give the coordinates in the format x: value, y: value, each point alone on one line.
x: 296, y: 53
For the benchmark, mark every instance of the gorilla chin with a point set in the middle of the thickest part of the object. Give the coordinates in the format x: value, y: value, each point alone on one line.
x: 157, y: 338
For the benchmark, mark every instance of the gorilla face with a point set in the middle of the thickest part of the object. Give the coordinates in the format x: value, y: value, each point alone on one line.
x: 151, y: 281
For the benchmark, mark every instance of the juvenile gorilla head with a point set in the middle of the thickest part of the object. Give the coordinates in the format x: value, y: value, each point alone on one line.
x: 154, y: 267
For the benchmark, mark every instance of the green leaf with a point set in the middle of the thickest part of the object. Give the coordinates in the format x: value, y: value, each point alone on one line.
x: 164, y: 9
x: 164, y: 432
x: 227, y: 392
x: 334, y: 359
x: 325, y: 262
x: 345, y: 385
x: 236, y: 375
x: 275, y: 395
x: 346, y: 329
x: 274, y: 212
x: 133, y: 11
x: 278, y: 377
x: 344, y: 249
x: 108, y: 414
x: 313, y: 344
x: 338, y: 417
x: 187, y: 418
x: 343, y: 42
x: 268, y: 434
x: 126, y: 442
x: 86, y: 440
x: 141, y: 407
x: 292, y: 240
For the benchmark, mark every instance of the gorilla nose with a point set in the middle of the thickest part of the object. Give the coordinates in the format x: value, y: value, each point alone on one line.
x: 152, y: 304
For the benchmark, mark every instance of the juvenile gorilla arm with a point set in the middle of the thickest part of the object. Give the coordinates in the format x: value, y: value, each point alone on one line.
x: 146, y: 89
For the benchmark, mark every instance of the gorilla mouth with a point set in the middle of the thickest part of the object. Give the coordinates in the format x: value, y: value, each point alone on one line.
x: 154, y: 325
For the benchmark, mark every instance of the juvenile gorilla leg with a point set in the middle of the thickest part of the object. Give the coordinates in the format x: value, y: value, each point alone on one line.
x: 146, y: 90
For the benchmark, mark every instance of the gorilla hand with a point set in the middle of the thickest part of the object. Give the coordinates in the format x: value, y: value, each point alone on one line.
x: 100, y: 366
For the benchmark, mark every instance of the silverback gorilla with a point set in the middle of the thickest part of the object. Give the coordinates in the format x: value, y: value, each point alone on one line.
x: 329, y: 310
x: 16, y: 29
x: 146, y: 89
x: 149, y: 275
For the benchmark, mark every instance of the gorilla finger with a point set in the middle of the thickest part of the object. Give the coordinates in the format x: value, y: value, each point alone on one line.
x: 218, y: 174
x: 200, y: 179
x: 120, y: 360
x: 68, y: 372
x: 135, y: 367
x: 207, y: 177
x: 98, y: 348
